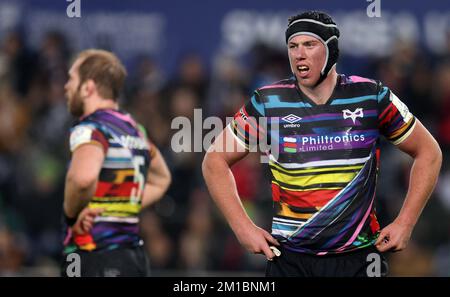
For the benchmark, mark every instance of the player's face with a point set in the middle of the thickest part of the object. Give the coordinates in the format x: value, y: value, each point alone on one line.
x: 307, y: 58
x: 72, y: 89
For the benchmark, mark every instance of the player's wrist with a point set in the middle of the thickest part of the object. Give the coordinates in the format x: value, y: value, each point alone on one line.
x: 405, y: 221
x: 70, y: 221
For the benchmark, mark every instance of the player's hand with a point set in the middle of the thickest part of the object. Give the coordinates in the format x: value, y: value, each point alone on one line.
x: 85, y: 220
x: 394, y: 237
x: 257, y: 241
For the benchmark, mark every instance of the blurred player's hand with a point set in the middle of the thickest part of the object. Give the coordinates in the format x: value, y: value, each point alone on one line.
x: 86, y: 219
x: 257, y: 240
x: 394, y: 237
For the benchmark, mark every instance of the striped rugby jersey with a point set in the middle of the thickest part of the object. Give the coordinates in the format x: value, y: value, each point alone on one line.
x: 325, y: 171
x: 121, y: 180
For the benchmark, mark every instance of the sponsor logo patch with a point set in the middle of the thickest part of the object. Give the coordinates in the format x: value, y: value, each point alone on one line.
x: 357, y: 113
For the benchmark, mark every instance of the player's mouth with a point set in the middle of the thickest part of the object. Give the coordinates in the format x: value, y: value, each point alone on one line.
x: 303, y: 70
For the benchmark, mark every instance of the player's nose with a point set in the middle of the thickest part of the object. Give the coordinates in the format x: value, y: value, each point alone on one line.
x: 301, y: 53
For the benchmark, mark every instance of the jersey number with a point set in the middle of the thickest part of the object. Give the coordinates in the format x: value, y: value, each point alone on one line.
x: 136, y: 192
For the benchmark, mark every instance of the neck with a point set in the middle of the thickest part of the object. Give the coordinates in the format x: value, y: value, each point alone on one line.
x: 93, y: 104
x: 322, y: 92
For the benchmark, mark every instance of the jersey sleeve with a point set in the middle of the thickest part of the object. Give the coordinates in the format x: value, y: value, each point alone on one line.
x: 249, y: 124
x: 395, y: 121
x: 85, y: 133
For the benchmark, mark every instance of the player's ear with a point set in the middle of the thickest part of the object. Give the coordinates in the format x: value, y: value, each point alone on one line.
x: 88, y: 88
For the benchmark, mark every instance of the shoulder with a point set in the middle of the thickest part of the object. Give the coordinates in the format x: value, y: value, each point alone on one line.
x: 81, y: 133
x: 87, y: 130
x: 281, y: 89
x: 93, y: 121
x: 280, y: 85
x: 82, y: 127
x: 89, y: 123
x: 361, y: 84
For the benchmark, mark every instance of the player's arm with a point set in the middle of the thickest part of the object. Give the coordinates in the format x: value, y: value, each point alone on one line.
x: 427, y: 155
x: 217, y: 173
x: 158, y: 179
x: 82, y: 177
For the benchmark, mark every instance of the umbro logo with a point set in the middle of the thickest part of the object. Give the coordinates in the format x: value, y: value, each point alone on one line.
x: 358, y: 113
x: 291, y: 119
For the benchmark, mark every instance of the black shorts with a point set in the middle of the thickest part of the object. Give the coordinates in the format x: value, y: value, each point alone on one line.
x: 367, y: 262
x: 122, y: 262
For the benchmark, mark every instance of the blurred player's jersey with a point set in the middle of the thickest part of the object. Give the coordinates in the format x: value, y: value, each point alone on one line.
x: 121, y: 180
x: 325, y: 169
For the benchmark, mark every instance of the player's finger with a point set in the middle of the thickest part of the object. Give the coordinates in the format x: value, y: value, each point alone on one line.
x: 389, y: 245
x: 384, y: 245
x: 95, y: 212
x: 78, y: 230
x: 271, y: 239
x: 87, y: 226
x: 396, y: 245
x: 399, y: 247
x: 268, y: 252
x: 89, y: 219
x: 381, y: 237
x: 98, y: 211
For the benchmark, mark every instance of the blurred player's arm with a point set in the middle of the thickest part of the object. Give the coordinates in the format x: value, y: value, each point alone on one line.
x: 427, y: 155
x: 158, y: 179
x: 82, y: 177
x: 221, y: 184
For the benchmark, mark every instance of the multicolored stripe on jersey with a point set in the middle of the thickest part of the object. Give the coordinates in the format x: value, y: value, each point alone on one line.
x: 395, y: 120
x: 324, y: 175
x: 249, y: 125
x: 121, y: 181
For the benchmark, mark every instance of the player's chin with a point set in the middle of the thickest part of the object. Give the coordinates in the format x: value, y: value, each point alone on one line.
x: 306, y: 80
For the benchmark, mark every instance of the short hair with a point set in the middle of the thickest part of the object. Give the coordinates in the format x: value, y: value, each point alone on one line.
x: 105, y: 69
x: 313, y: 15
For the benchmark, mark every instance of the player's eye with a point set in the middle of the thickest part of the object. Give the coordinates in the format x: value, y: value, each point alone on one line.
x: 310, y: 44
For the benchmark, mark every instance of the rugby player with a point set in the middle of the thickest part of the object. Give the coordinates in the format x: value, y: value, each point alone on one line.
x: 114, y: 171
x: 326, y: 129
